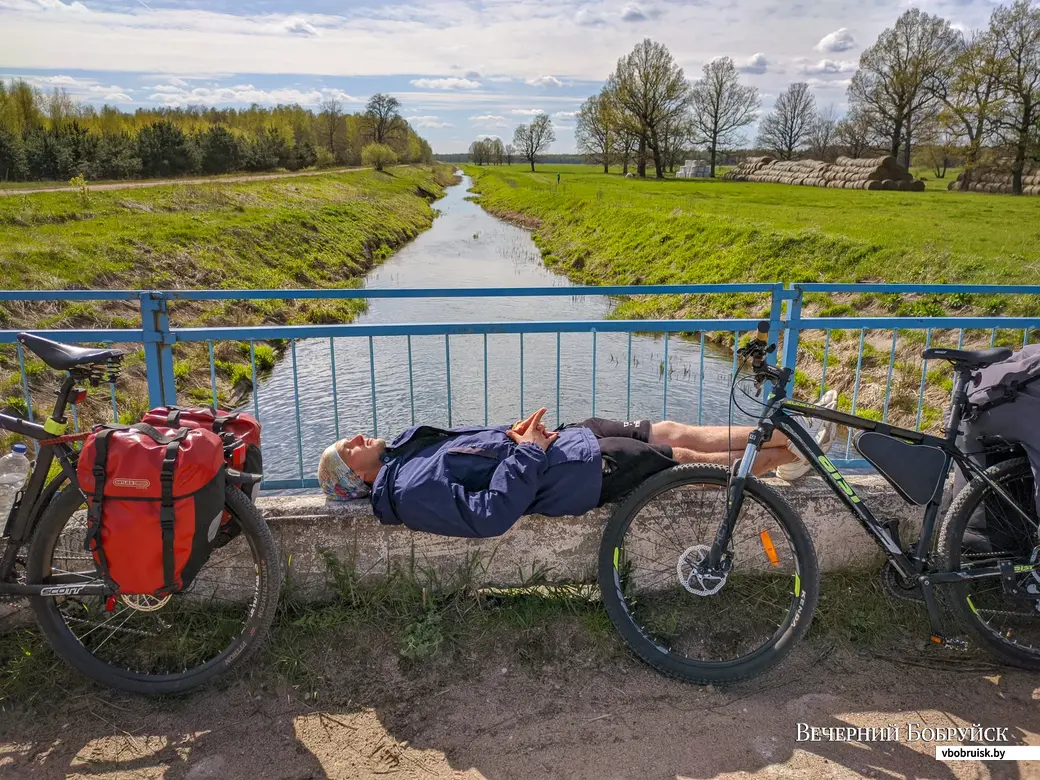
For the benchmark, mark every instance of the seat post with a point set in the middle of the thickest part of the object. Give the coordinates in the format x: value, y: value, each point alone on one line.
x: 67, y: 386
x: 959, y: 402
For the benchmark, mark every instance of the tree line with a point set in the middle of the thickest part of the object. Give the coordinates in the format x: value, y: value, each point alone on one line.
x: 924, y: 92
x: 49, y: 136
x: 529, y: 143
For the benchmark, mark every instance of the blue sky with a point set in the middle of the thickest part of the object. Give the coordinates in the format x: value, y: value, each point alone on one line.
x: 461, y: 68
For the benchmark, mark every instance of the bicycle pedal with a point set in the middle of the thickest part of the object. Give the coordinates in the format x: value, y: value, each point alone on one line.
x: 950, y: 643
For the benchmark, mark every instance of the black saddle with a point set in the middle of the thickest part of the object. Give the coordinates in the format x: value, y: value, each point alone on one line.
x: 63, y: 357
x: 968, y: 358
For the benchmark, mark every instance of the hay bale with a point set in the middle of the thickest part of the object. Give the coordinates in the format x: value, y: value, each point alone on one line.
x: 888, y: 184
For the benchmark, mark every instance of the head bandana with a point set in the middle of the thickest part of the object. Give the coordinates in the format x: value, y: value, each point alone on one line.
x: 338, y: 482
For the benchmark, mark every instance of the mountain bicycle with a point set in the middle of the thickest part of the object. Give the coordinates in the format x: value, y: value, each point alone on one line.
x: 711, y: 576
x: 141, y: 644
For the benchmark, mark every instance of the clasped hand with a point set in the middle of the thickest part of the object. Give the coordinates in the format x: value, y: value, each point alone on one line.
x: 533, y: 430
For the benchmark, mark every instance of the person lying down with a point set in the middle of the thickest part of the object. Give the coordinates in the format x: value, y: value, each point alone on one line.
x: 478, y: 481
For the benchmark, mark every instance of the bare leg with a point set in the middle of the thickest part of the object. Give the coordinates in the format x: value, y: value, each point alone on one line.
x: 707, y: 438
x: 767, y: 460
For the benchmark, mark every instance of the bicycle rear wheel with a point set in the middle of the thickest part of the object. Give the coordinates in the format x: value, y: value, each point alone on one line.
x: 981, y: 530
x: 143, y: 644
x: 695, y: 628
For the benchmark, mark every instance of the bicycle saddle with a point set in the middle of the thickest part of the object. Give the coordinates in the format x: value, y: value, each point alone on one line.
x: 969, y: 358
x: 62, y: 357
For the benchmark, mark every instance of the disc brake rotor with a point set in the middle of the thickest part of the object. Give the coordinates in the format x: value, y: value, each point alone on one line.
x: 692, y: 575
x: 144, y: 602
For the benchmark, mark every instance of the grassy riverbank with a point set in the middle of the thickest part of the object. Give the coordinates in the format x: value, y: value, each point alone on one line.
x: 604, y: 229
x: 322, y: 231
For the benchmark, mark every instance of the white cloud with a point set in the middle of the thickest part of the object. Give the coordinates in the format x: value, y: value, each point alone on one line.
x: 427, y: 122
x: 545, y: 81
x: 586, y: 17
x: 62, y: 81
x: 295, y: 25
x: 487, y: 118
x: 500, y: 79
x: 565, y: 115
x: 448, y: 83
x: 171, y: 95
x: 633, y: 13
x: 526, y: 111
x: 60, y: 7
x: 118, y: 97
x: 825, y: 67
x: 839, y: 40
x: 756, y: 63
x: 484, y: 136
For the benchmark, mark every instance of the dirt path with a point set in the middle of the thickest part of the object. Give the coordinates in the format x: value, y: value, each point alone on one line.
x: 575, y: 719
x: 134, y: 185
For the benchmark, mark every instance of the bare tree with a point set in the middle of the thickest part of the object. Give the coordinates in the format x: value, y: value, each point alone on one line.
x: 822, y: 134
x: 495, y: 150
x: 652, y: 89
x: 969, y: 93
x: 935, y: 147
x: 481, y: 151
x: 721, y: 106
x: 331, y: 113
x: 533, y: 139
x: 510, y: 151
x: 785, y: 130
x: 594, y: 130
x: 855, y: 133
x: 383, y: 116
x: 894, y: 83
x: 1016, y: 30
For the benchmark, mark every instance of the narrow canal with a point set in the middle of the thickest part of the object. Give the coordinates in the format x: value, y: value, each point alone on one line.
x: 467, y: 247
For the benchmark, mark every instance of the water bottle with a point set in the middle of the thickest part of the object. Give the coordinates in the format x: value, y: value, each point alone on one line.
x: 14, y: 473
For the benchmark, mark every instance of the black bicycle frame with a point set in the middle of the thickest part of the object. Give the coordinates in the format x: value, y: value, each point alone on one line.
x: 778, y: 415
x: 36, y: 497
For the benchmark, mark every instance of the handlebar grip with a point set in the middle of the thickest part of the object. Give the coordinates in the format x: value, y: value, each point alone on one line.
x: 763, y: 330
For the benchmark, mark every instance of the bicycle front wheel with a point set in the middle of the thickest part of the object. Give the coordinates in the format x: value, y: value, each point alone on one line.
x: 980, y: 531
x: 142, y: 644
x: 697, y: 628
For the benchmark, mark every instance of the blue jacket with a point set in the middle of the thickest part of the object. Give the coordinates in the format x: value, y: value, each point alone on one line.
x: 477, y: 482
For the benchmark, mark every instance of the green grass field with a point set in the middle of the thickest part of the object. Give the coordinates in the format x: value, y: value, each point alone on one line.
x: 605, y: 228
x: 321, y: 231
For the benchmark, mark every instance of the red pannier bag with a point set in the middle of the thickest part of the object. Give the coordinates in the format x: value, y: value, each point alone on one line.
x: 243, y: 427
x: 156, y: 500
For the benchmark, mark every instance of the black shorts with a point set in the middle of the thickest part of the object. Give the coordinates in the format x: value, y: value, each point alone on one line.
x: 628, y: 456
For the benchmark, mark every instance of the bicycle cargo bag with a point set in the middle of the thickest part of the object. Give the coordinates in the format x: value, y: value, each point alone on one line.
x: 244, y: 427
x: 156, y: 500
x: 914, y: 470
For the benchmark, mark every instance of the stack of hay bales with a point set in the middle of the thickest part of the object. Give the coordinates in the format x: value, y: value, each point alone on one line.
x: 694, y: 169
x: 882, y: 173
x: 995, y: 180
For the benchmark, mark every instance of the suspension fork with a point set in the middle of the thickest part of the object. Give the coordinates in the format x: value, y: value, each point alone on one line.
x: 735, y: 493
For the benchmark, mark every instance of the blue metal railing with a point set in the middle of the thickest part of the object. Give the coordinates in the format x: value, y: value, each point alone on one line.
x: 785, y: 314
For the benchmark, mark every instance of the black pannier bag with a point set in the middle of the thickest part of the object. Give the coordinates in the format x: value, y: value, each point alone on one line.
x: 1003, y: 422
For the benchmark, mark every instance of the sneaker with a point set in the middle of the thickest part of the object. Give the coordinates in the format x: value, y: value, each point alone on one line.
x: 824, y: 434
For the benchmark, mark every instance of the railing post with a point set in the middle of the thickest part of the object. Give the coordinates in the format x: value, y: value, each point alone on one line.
x: 158, y: 349
x: 776, y: 309
x: 792, y: 326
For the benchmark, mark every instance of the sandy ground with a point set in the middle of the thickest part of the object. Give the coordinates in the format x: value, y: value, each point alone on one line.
x: 583, y: 718
x: 134, y: 185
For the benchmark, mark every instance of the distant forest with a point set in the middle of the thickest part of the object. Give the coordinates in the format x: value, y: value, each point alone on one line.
x: 47, y: 136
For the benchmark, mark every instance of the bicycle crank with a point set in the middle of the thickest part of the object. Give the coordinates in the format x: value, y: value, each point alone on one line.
x: 694, y: 576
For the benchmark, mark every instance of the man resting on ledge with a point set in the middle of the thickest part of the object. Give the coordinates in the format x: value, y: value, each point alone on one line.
x: 479, y: 481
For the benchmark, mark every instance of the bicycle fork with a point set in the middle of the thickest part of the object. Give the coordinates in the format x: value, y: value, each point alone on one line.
x: 734, y: 500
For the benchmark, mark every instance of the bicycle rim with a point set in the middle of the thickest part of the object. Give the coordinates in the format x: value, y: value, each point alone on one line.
x: 142, y: 640
x: 1003, y: 619
x: 697, y: 620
